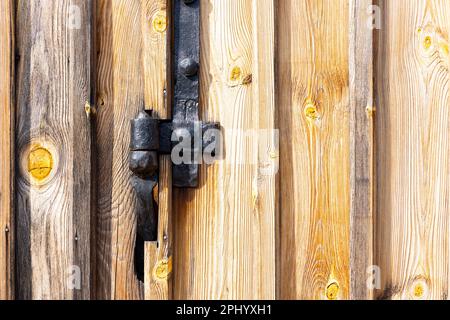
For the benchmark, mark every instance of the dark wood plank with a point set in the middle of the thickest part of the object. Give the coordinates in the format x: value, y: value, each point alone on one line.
x: 53, y: 149
x: 6, y: 150
x: 120, y: 88
x: 361, y: 149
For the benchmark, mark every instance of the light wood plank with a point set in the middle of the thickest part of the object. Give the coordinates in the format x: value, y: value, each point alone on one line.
x: 313, y: 100
x: 159, y: 255
x: 6, y: 150
x: 266, y: 180
x: 413, y: 150
x: 362, y: 182
x: 156, y: 59
x: 53, y: 149
x: 225, y: 230
x: 120, y: 97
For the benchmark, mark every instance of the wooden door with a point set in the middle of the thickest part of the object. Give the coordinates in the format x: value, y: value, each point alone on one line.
x: 333, y: 183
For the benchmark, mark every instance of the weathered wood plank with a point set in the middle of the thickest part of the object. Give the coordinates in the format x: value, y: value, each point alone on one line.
x: 6, y: 150
x: 156, y: 60
x: 120, y: 88
x: 361, y: 148
x: 225, y: 231
x: 53, y: 149
x: 413, y: 150
x: 313, y: 100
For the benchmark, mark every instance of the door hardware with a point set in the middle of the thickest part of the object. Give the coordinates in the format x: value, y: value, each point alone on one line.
x: 184, y: 137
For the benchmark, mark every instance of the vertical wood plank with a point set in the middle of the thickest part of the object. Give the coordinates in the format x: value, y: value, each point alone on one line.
x: 156, y: 62
x: 159, y: 255
x: 413, y: 150
x: 6, y: 150
x: 361, y: 148
x: 313, y: 98
x: 265, y: 184
x: 53, y: 149
x: 225, y: 230
x: 120, y: 97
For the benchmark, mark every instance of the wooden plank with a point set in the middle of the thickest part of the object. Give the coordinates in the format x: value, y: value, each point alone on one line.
x: 413, y: 150
x: 159, y: 255
x: 54, y: 149
x: 313, y: 100
x: 6, y: 150
x: 266, y: 180
x: 362, y: 149
x: 156, y: 59
x: 225, y: 230
x: 120, y: 97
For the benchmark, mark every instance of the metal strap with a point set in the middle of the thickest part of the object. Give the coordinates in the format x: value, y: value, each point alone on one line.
x: 186, y: 21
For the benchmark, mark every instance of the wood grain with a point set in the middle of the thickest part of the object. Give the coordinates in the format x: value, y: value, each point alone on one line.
x: 53, y: 86
x: 6, y: 150
x: 156, y: 64
x: 159, y: 255
x: 266, y: 182
x: 313, y: 101
x: 225, y: 231
x: 413, y: 148
x: 120, y: 88
x: 361, y: 149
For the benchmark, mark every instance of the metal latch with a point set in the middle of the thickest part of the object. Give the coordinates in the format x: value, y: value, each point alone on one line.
x: 185, y: 138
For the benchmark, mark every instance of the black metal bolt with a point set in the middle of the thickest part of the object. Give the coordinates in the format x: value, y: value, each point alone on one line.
x: 144, y: 162
x: 188, y: 67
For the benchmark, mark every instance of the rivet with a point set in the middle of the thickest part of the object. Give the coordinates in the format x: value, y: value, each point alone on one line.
x: 159, y: 22
x: 40, y: 163
x: 332, y: 291
x: 188, y: 67
x: 163, y: 269
x: 6, y: 229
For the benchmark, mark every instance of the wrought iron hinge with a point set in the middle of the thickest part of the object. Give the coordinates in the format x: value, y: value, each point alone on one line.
x: 150, y: 136
x: 188, y: 140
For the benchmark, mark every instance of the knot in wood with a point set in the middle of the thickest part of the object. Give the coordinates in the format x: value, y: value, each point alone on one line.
x: 40, y: 163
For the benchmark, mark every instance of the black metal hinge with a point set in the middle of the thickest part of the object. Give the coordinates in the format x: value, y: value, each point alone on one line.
x: 188, y: 140
x: 164, y: 137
